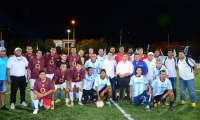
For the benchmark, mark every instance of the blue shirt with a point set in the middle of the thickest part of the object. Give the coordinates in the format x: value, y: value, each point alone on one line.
x: 156, y: 72
x: 159, y: 87
x: 88, y: 83
x: 101, y: 59
x: 101, y: 83
x: 3, y: 67
x: 141, y: 64
x: 95, y: 66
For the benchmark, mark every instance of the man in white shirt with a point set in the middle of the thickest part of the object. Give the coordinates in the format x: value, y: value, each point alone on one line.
x: 170, y: 63
x: 187, y: 75
x: 16, y: 69
x: 124, y: 70
x: 151, y: 63
x: 110, y: 66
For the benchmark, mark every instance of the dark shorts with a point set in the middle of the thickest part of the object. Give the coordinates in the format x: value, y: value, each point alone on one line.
x: 103, y: 90
x: 158, y: 97
x: 87, y: 93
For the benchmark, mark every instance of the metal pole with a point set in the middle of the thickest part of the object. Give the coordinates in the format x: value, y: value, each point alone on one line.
x: 168, y: 41
x: 74, y: 33
x: 68, y: 44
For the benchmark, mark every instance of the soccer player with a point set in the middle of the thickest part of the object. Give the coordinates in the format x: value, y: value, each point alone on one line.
x: 156, y: 70
x: 95, y: 64
x: 88, y: 56
x: 101, y: 58
x: 77, y: 77
x: 162, y: 88
x: 60, y: 81
x: 34, y: 66
x: 140, y: 52
x: 63, y: 61
x: 138, y: 89
x: 139, y: 63
x: 88, y: 86
x: 73, y: 58
x: 43, y: 87
x: 102, y: 87
x: 29, y: 53
x: 51, y: 62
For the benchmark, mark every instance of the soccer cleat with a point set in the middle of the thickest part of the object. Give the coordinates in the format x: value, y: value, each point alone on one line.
x: 32, y: 105
x: 165, y: 103
x: 72, y: 103
x: 147, y: 108
x: 35, y: 111
x: 23, y: 104
x: 4, y: 108
x: 80, y: 103
x: 182, y: 102
x: 52, y: 107
x: 68, y: 105
x: 12, y: 106
x: 172, y: 109
x: 109, y: 103
x: 193, y: 105
x: 57, y: 101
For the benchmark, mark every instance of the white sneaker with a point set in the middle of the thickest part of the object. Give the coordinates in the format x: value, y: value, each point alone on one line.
x: 80, y: 103
x: 12, y: 106
x: 35, y: 111
x: 23, y: 104
x: 72, y: 103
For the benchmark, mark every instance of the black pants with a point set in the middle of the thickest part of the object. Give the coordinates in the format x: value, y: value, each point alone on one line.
x: 124, y: 83
x: 17, y: 82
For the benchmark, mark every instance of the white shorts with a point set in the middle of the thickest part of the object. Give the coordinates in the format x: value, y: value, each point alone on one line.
x: 61, y: 86
x: 50, y: 76
x: 78, y: 84
x: 32, y: 82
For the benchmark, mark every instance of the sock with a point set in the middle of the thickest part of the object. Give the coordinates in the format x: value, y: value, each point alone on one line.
x: 59, y: 95
x: 36, y: 103
x: 171, y: 103
x: 52, y: 102
x: 80, y: 95
x: 32, y: 96
x: 118, y: 94
x: 41, y: 102
x: 71, y: 96
x: 66, y: 100
x: 77, y: 95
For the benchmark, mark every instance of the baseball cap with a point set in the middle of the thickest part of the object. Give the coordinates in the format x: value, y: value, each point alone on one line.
x: 150, y: 53
x: 18, y: 49
x: 2, y: 48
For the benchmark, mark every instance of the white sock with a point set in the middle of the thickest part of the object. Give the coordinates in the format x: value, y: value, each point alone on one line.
x: 36, y: 103
x: 77, y: 95
x: 32, y: 96
x: 66, y: 100
x: 52, y: 102
x: 80, y: 95
x: 41, y: 102
x: 71, y: 96
x: 125, y: 94
x: 147, y: 106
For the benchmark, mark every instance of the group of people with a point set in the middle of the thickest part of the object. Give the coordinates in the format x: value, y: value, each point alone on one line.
x: 132, y: 76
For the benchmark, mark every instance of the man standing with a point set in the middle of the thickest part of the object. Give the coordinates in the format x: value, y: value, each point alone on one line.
x: 73, y: 58
x: 157, y: 54
x: 63, y: 61
x: 187, y: 75
x: 112, y: 50
x: 3, y: 76
x: 130, y: 52
x: 101, y: 58
x: 124, y: 70
x: 170, y: 63
x: 140, y: 52
x: 29, y: 53
x: 156, y: 70
x: 110, y: 66
x: 90, y: 52
x: 139, y: 63
x: 119, y: 57
x: 16, y: 69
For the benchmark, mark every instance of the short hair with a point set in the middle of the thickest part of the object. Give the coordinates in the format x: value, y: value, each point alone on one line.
x: 63, y: 64
x: 137, y: 68
x: 162, y: 71
x: 157, y: 50
x: 169, y: 50
x: 121, y: 46
x: 158, y: 60
x: 140, y: 48
x: 100, y: 48
x: 63, y: 54
x: 112, y: 47
x: 94, y: 54
x: 109, y: 52
x: 89, y: 68
x: 125, y: 54
x: 90, y: 48
x: 41, y: 71
x: 182, y: 51
x: 38, y: 50
x: 136, y: 54
x: 103, y: 70
x: 73, y: 47
x: 78, y: 63
x: 53, y: 47
x: 28, y: 46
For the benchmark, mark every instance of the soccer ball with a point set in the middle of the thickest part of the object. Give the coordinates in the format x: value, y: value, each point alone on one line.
x: 99, y: 104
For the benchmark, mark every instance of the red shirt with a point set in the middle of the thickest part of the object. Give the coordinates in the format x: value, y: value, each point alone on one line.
x: 35, y: 65
x: 43, y: 87
x: 118, y: 57
x: 51, y: 63
x: 60, y: 77
x: 143, y: 57
x: 73, y: 59
x: 76, y: 76
x: 29, y: 57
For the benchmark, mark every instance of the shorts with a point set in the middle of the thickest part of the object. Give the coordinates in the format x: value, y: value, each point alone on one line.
x: 46, y: 101
x: 157, y: 98
x: 91, y: 93
x: 3, y: 86
x: 50, y: 76
x: 61, y: 86
x: 78, y: 84
x: 103, y: 90
x: 32, y: 82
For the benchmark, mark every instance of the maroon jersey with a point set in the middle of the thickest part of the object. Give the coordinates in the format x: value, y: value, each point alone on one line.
x: 60, y: 77
x: 51, y: 62
x: 35, y: 65
x: 29, y: 57
x: 43, y: 87
x: 87, y: 57
x: 76, y: 76
x: 73, y: 59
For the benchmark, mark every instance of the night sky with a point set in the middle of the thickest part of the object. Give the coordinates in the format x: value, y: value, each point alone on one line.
x: 143, y: 21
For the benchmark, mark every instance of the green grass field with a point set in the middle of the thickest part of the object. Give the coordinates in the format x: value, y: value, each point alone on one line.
x: 89, y: 112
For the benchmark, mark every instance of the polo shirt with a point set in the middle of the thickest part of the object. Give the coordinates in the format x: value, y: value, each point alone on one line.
x: 3, y: 64
x: 150, y: 65
x: 123, y: 68
x: 171, y: 66
x: 109, y: 66
x: 141, y: 64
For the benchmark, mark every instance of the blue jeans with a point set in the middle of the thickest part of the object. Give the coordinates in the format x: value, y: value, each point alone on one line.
x: 137, y: 100
x: 113, y: 85
x: 191, y: 89
x: 173, y: 81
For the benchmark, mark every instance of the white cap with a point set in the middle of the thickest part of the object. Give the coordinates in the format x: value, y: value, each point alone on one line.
x: 2, y: 49
x: 18, y: 49
x: 150, y: 53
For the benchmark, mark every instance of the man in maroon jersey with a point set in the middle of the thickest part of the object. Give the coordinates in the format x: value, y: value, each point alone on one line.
x: 77, y: 76
x: 73, y: 58
x: 60, y: 81
x: 51, y: 62
x: 43, y: 88
x: 90, y: 52
x: 34, y: 66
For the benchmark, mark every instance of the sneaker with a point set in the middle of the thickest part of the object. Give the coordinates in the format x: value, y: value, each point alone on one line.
x: 4, y: 108
x: 23, y: 104
x: 147, y: 108
x: 72, y: 103
x: 32, y: 105
x: 182, y: 102
x: 52, y: 107
x: 68, y: 105
x: 193, y: 105
x: 165, y: 103
x: 80, y: 103
x: 109, y: 103
x: 120, y: 101
x: 57, y: 101
x: 12, y: 106
x: 35, y: 111
x: 172, y: 109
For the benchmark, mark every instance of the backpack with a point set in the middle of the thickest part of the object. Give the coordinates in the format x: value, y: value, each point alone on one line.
x: 187, y: 61
x: 166, y: 59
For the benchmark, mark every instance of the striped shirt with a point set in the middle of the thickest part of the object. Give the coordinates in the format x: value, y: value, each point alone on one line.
x: 159, y: 87
x: 156, y: 72
x: 101, y: 83
x: 88, y: 83
x: 101, y: 59
x: 95, y: 67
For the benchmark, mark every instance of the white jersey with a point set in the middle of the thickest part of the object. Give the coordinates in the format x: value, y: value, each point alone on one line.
x: 95, y: 66
x: 159, y: 87
x: 156, y: 72
x: 88, y: 83
x: 101, y: 83
x: 150, y: 65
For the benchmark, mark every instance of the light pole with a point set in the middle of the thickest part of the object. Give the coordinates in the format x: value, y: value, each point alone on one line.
x: 73, y: 23
x: 168, y: 36
x: 68, y: 31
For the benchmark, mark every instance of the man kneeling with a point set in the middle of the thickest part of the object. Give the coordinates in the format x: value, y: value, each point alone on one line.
x: 42, y: 89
